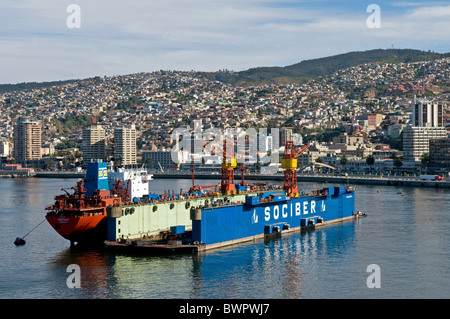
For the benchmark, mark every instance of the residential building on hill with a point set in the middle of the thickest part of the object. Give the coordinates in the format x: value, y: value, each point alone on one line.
x: 93, y: 145
x: 27, y: 140
x: 125, y: 147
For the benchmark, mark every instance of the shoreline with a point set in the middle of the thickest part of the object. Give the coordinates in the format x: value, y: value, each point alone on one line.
x: 355, y: 179
x: 352, y: 179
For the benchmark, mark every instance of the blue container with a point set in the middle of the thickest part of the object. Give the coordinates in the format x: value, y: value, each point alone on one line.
x: 252, y: 200
x: 176, y: 230
x: 340, y: 190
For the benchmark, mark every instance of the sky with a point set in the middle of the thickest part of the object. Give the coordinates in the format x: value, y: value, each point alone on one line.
x: 38, y: 40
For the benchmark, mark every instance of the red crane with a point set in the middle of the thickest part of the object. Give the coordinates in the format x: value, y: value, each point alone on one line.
x: 289, y: 163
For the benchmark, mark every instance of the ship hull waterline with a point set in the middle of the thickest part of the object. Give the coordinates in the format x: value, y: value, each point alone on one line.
x: 142, y: 247
x: 85, y: 230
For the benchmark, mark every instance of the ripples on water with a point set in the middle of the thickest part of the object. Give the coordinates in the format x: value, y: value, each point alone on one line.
x: 405, y: 234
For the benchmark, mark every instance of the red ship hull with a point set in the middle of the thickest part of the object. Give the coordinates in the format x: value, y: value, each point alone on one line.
x: 82, y: 219
x: 80, y: 229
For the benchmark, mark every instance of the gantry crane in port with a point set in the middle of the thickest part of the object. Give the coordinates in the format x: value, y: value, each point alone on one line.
x: 289, y: 164
x: 228, y: 164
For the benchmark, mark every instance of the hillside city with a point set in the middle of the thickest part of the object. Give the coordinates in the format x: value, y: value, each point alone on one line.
x: 353, y: 119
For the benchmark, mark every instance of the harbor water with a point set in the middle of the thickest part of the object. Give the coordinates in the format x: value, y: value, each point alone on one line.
x: 405, y: 235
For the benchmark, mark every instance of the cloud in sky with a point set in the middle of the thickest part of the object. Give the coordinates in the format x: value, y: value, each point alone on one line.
x: 118, y: 37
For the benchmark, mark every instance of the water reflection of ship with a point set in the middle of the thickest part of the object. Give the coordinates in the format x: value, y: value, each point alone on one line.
x: 94, y: 268
x: 283, y: 266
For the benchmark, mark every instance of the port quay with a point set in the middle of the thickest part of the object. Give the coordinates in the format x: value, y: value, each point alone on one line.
x: 324, y: 178
x: 384, y: 180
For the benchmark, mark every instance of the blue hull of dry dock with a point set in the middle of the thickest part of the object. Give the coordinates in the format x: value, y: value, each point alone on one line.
x: 265, y: 214
x: 270, y: 213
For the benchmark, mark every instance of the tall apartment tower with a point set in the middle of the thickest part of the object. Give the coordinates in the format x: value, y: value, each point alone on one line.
x: 286, y: 134
x: 27, y: 140
x: 427, y: 113
x: 427, y: 124
x: 93, y: 144
x: 125, y: 147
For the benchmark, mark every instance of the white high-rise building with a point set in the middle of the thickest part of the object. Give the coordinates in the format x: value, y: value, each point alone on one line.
x: 125, y: 147
x: 427, y: 124
x: 416, y: 140
x: 427, y: 113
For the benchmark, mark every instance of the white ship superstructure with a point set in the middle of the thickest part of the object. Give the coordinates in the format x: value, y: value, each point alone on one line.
x: 134, y: 180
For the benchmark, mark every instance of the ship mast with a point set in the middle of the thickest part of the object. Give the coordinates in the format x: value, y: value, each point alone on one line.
x: 193, y: 172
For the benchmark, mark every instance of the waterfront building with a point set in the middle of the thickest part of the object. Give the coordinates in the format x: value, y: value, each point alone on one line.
x: 360, y: 166
x: 427, y: 125
x: 4, y: 148
x: 308, y: 158
x: 27, y: 140
x: 416, y: 140
x: 164, y: 159
x: 440, y: 152
x: 125, y: 147
x: 93, y: 144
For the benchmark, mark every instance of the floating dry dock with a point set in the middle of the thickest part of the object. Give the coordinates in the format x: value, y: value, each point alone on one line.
x: 264, y: 214
x: 238, y: 213
x: 151, y: 247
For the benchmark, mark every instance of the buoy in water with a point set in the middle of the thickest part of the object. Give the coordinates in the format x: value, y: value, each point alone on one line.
x: 19, y: 242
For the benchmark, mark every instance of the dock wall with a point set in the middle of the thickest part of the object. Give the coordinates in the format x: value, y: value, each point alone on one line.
x: 345, y: 180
